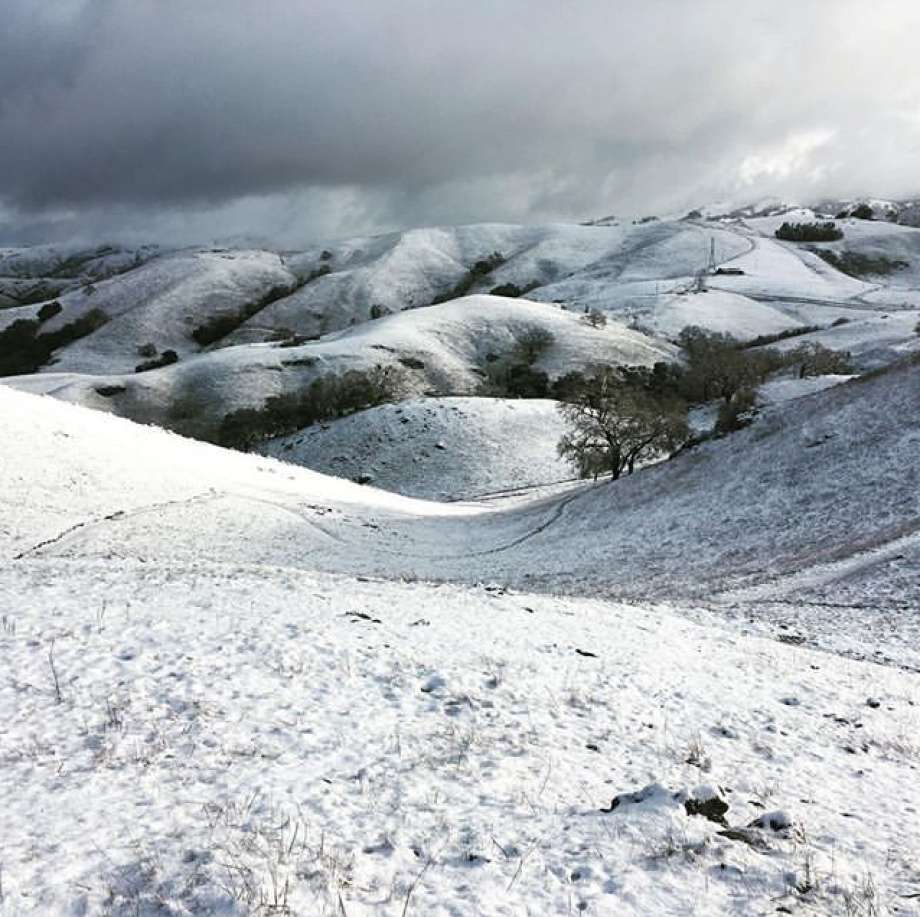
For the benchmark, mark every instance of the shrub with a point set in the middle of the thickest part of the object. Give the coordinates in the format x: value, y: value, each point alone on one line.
x: 532, y: 343
x: 475, y: 273
x: 146, y: 350
x: 856, y: 264
x: 167, y: 358
x: 378, y: 311
x: 49, y: 310
x: 513, y: 375
x: 39, y: 293
x: 326, y: 398
x: 736, y: 413
x: 219, y: 326
x: 511, y: 290
x: 818, y: 360
x: 318, y: 272
x: 24, y: 350
x: 809, y: 232
x: 717, y: 367
x: 20, y: 351
x: 762, y: 339
x: 595, y: 318
x: 862, y: 212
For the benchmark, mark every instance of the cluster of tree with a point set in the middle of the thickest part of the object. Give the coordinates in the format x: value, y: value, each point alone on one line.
x: 615, y: 422
x: 514, y: 375
x: 718, y: 367
x: 326, y: 398
x: 512, y: 290
x: 473, y: 275
x: 219, y: 326
x: 763, y: 339
x: 860, y: 212
x: 617, y: 417
x: 856, y: 264
x: 166, y: 358
x: 37, y: 293
x: 25, y: 349
x: 818, y: 360
x: 809, y: 232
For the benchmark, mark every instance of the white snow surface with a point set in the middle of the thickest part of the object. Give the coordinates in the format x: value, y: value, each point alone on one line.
x: 199, y: 715
x: 437, y: 448
x: 452, y: 342
x: 233, y: 685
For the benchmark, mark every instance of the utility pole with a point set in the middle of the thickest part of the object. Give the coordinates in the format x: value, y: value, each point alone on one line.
x: 711, y: 269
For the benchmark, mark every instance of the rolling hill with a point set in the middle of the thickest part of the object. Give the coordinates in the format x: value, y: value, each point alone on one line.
x: 218, y: 660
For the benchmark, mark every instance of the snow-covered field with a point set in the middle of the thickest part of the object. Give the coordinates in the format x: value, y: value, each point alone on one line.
x: 442, y: 349
x: 229, y: 684
x: 200, y: 715
x: 367, y: 301
x: 437, y: 448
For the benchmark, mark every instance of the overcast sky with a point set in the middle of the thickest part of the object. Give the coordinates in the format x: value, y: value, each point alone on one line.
x: 186, y: 120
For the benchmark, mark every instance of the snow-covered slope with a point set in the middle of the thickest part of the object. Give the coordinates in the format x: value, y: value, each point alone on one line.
x: 198, y: 302
x: 442, y: 349
x: 195, y: 720
x: 814, y: 483
x: 437, y: 448
x: 161, y: 303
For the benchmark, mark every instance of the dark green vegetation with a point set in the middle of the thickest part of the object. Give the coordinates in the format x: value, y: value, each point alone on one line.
x: 614, y: 421
x: 809, y: 232
x: 512, y: 290
x: 219, y: 326
x: 856, y: 264
x: 479, y: 270
x: 618, y: 416
x: 24, y: 349
x: 167, y: 358
x: 326, y: 398
x: 860, y: 212
x: 762, y: 339
x: 513, y: 375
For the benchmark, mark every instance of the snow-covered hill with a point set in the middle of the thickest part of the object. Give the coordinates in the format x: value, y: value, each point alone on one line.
x: 198, y: 719
x: 441, y: 349
x: 437, y: 448
x: 368, y: 301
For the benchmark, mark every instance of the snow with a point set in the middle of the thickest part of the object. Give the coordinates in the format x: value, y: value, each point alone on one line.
x: 356, y: 745
x: 236, y: 723
x: 413, y: 268
x: 873, y: 341
x: 161, y: 302
x: 437, y: 448
x: 230, y: 684
x: 716, y: 310
x: 446, y: 346
x: 777, y: 391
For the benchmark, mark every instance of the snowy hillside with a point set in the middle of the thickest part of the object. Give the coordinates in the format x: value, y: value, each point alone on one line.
x: 198, y: 719
x: 442, y: 349
x: 233, y: 328
x: 437, y: 448
x: 161, y: 303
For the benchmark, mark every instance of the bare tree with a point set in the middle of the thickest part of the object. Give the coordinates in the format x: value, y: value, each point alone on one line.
x: 818, y: 360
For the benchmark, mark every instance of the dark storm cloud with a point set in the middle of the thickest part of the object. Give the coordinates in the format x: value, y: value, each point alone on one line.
x: 315, y: 115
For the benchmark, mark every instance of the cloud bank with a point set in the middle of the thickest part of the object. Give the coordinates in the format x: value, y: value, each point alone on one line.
x: 295, y: 120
